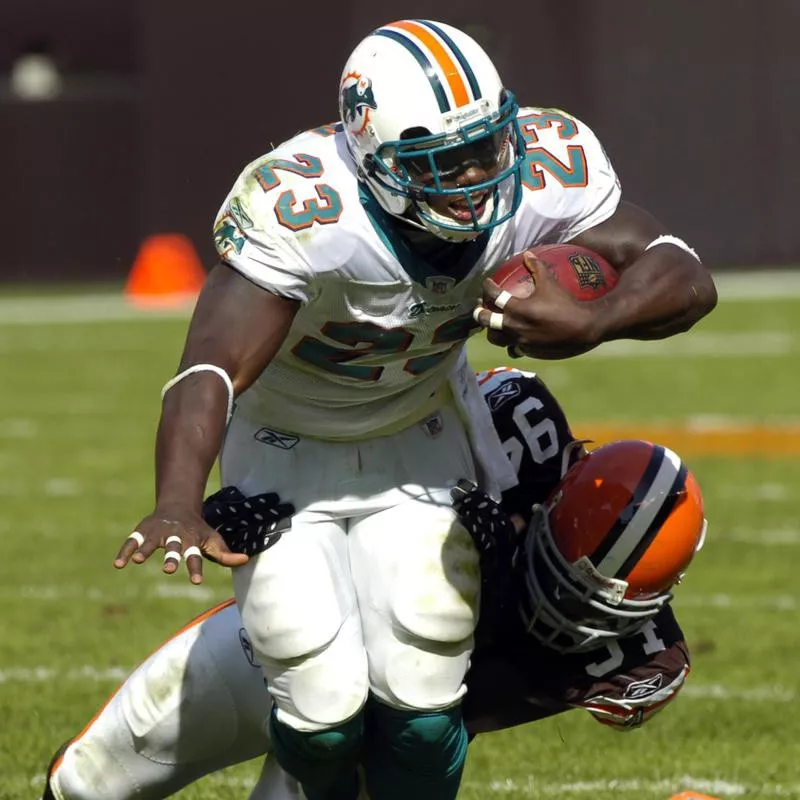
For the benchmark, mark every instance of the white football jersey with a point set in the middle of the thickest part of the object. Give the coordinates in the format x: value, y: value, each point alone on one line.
x: 380, y: 328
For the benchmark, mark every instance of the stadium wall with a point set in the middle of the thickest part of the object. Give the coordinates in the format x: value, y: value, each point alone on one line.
x: 164, y: 101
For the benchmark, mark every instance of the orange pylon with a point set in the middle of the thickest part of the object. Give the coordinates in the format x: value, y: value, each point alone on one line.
x: 692, y: 796
x: 167, y: 272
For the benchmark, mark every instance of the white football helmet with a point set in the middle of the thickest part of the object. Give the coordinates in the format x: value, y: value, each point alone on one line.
x: 420, y: 101
x: 600, y: 557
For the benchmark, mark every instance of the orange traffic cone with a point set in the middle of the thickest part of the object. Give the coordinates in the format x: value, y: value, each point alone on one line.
x: 692, y: 796
x: 167, y: 272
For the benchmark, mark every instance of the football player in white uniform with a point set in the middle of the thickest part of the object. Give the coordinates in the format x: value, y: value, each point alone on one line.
x: 351, y: 260
x: 551, y: 636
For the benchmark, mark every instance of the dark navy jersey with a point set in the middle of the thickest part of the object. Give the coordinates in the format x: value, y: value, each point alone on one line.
x: 534, y: 431
x: 622, y: 683
x: 513, y: 678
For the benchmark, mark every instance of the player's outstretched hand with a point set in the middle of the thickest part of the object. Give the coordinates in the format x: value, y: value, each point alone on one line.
x: 184, y: 536
x: 550, y: 323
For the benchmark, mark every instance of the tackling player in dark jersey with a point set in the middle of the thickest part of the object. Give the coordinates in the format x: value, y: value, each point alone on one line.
x: 596, y: 543
x: 577, y: 567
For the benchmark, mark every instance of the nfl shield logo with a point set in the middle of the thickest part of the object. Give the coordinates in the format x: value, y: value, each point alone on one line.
x: 439, y: 284
x: 587, y: 271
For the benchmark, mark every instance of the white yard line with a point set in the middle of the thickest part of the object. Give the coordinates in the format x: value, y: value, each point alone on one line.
x: 755, y: 694
x: 777, y: 602
x: 779, y: 537
x: 746, y: 286
x: 700, y: 344
x: 84, y: 674
x: 755, y: 285
x: 89, y: 673
x: 172, y: 589
x: 531, y: 786
x: 166, y: 590
x: 71, y: 309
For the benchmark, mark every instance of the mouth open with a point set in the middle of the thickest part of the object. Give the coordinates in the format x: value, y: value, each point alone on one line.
x: 460, y: 208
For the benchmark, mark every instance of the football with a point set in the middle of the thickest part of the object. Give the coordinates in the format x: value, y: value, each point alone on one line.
x: 582, y: 272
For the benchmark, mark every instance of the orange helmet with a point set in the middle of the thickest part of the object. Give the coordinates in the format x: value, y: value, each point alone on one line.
x: 599, y: 559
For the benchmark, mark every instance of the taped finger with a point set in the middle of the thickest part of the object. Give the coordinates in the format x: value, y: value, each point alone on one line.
x: 172, y: 556
x: 193, y: 550
x: 496, y: 321
x: 173, y: 539
x: 501, y: 301
x: 138, y: 538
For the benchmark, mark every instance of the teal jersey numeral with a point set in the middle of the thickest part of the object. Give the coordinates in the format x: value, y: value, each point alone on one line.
x: 352, y: 334
x: 455, y: 330
x: 539, y: 160
x: 378, y: 341
x: 328, y: 130
x: 311, y: 211
x: 325, y: 210
x: 308, y: 166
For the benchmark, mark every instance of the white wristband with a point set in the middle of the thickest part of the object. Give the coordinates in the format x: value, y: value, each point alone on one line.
x: 203, y: 368
x: 667, y: 239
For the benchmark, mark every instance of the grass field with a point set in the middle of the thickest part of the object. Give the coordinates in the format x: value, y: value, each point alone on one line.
x: 78, y: 409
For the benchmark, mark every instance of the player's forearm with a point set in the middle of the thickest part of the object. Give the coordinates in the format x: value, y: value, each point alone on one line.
x: 189, y: 438
x: 666, y: 291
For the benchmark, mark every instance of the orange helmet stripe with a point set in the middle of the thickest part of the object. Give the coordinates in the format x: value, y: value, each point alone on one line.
x: 445, y: 62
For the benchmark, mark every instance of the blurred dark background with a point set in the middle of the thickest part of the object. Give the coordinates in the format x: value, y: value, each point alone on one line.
x: 158, y: 104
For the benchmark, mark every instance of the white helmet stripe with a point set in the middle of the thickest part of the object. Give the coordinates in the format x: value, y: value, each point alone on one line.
x: 635, y: 523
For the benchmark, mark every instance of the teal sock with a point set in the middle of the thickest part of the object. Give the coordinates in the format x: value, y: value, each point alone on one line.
x: 413, y: 754
x: 324, y: 762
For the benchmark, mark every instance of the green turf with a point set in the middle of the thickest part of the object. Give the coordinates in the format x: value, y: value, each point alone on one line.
x: 77, y: 416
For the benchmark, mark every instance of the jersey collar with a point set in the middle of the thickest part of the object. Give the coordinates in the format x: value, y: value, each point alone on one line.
x: 455, y: 260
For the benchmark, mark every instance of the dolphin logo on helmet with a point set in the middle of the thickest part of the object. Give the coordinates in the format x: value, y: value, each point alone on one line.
x: 356, y: 100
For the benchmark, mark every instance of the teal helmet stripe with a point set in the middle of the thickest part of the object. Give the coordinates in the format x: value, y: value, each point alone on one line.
x: 424, y: 62
x: 459, y: 56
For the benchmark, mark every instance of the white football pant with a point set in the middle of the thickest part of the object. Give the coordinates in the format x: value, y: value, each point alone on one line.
x: 196, y: 705
x: 376, y: 585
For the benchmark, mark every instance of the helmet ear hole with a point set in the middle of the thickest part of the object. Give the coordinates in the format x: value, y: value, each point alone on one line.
x: 415, y: 132
x: 368, y: 164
